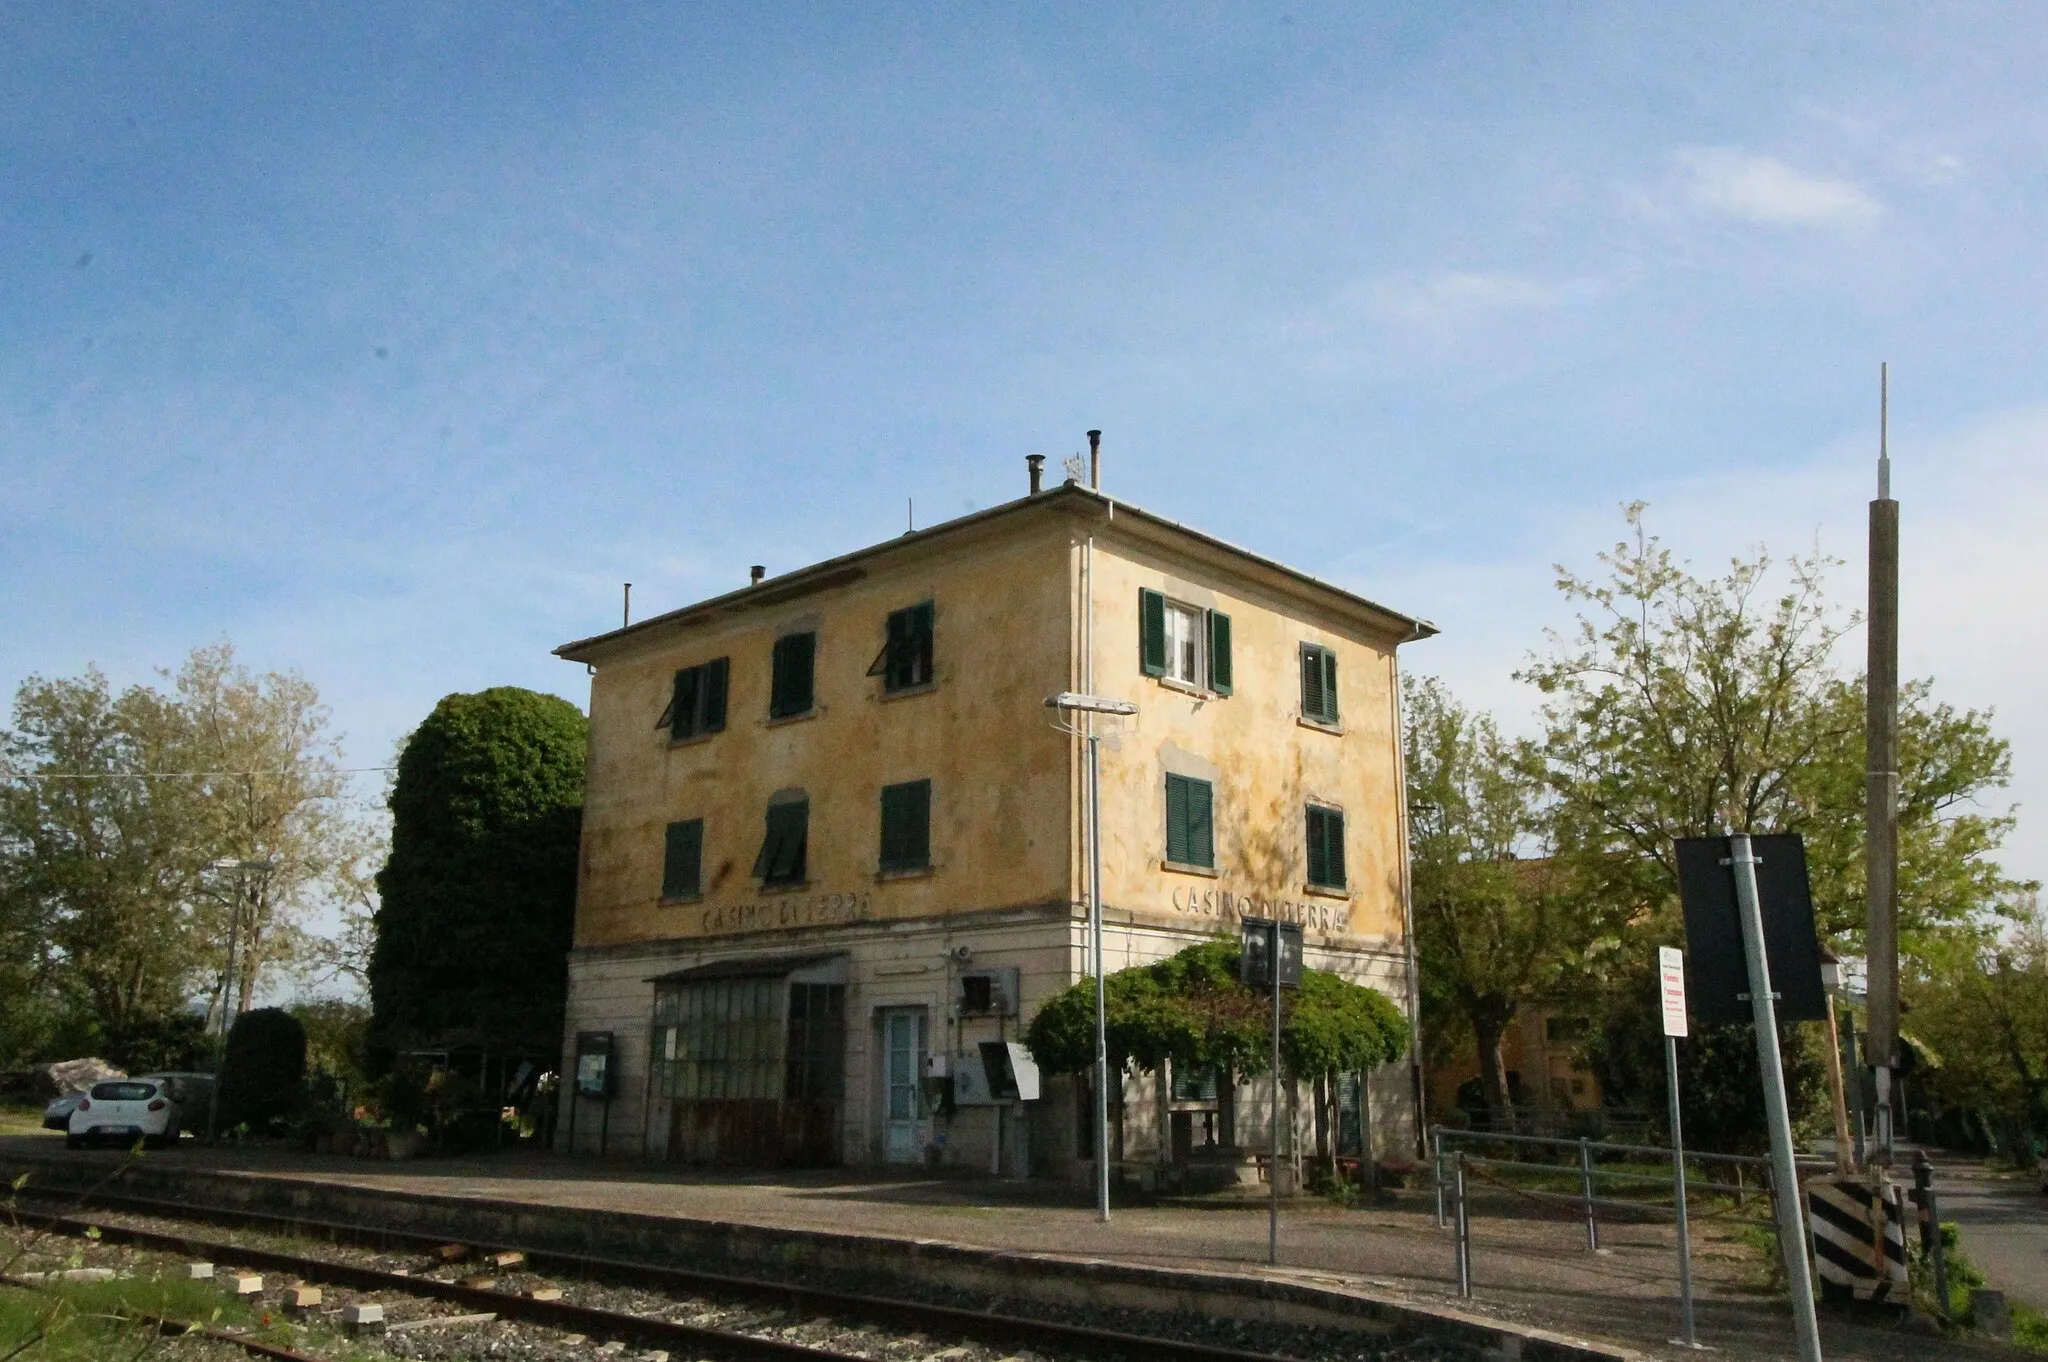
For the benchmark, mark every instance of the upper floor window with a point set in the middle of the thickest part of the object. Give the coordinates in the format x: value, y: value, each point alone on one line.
x: 790, y: 688
x: 1184, y: 643
x: 1325, y: 848
x: 785, y: 850
x: 906, y: 660
x: 682, y: 862
x: 697, y: 703
x: 1318, y: 683
x: 1190, y: 822
x: 907, y: 825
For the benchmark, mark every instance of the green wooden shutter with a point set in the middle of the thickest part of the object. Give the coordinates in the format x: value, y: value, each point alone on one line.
x: 712, y: 704
x: 1177, y: 819
x: 791, y: 689
x: 1325, y: 848
x: 906, y: 825
x: 1329, y: 686
x: 1201, y: 824
x: 1219, y: 652
x: 1311, y: 682
x: 682, y: 708
x: 896, y: 652
x: 923, y: 652
x: 683, y: 859
x: 1151, y: 632
x: 783, y: 851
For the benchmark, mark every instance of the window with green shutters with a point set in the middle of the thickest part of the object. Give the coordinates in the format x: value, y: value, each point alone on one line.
x: 790, y: 688
x: 682, y: 861
x: 907, y: 825
x: 696, y: 704
x: 1325, y: 848
x: 1318, y: 683
x: 785, y: 849
x: 907, y: 654
x: 1183, y: 643
x: 1190, y: 822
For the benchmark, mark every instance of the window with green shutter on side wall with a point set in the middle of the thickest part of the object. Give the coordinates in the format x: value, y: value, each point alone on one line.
x: 1184, y: 642
x: 682, y: 862
x: 907, y: 826
x: 697, y: 702
x: 1318, y: 683
x: 907, y: 660
x: 785, y: 850
x: 1325, y: 848
x: 790, y: 689
x: 1190, y: 822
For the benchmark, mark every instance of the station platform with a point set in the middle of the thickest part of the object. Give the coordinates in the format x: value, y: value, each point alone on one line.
x: 1538, y: 1291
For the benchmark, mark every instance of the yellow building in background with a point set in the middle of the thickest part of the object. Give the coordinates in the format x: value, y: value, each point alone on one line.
x: 834, y: 840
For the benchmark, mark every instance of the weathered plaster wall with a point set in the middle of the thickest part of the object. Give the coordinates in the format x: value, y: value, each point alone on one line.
x: 1265, y: 765
x: 999, y: 772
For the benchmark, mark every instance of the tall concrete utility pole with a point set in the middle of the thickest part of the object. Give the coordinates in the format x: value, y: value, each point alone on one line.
x: 1881, y: 789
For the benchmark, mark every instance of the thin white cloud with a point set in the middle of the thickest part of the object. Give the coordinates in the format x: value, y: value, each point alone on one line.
x: 1766, y: 190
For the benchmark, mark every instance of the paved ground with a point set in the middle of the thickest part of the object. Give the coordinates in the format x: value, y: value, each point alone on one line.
x: 2003, y: 1221
x: 1529, y: 1265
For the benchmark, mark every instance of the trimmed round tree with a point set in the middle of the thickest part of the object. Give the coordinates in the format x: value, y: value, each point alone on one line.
x: 478, y: 897
x: 1190, y: 1008
x: 262, y: 1068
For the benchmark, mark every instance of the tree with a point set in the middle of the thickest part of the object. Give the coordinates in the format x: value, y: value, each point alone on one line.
x: 478, y: 896
x: 1682, y: 705
x: 1496, y: 931
x: 1983, y: 1019
x: 1191, y: 1010
x: 112, y: 806
x: 262, y: 1069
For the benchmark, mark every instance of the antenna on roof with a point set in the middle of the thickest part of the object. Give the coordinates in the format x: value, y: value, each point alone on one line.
x: 627, y: 612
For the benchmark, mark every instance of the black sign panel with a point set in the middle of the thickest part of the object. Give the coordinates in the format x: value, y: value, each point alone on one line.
x: 1717, y: 971
x: 1252, y: 968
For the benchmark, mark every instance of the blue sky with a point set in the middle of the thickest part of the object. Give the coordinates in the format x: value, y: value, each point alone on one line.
x: 388, y: 340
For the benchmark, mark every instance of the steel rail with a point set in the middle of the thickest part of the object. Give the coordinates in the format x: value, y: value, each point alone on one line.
x: 1008, y: 1331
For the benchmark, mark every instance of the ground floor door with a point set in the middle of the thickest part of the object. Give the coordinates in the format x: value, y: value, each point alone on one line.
x: 906, y: 1041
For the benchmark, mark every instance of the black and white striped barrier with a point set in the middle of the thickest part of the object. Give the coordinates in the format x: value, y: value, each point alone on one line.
x: 1859, y: 1237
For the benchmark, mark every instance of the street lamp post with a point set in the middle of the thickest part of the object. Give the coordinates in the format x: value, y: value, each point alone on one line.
x: 242, y: 870
x: 1069, y: 702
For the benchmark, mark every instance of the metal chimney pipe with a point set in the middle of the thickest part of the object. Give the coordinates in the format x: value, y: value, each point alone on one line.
x: 755, y: 574
x: 1095, y: 460
x: 1036, y: 463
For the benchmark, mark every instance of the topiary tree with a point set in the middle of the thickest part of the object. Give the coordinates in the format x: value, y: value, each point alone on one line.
x: 1191, y: 1009
x: 478, y: 897
x: 264, y: 1065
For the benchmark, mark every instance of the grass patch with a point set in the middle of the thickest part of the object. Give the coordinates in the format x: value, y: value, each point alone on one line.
x: 94, y: 1320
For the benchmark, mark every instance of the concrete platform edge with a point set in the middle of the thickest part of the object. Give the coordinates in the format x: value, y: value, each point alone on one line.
x: 737, y: 1246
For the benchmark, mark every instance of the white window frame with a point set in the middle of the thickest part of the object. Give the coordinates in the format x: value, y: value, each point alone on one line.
x: 1187, y: 640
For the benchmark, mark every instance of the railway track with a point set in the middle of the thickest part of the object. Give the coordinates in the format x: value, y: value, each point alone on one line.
x: 1006, y: 1333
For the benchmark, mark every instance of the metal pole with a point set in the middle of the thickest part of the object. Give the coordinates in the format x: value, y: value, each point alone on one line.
x: 1586, y: 1186
x: 1836, y: 1094
x: 1854, y: 1071
x: 1101, y: 995
x: 1464, y: 1233
x: 1273, y: 1160
x: 1685, y: 1329
x: 1930, y: 1227
x: 1784, y: 1170
x: 227, y: 996
x: 1881, y: 787
x: 1436, y: 1168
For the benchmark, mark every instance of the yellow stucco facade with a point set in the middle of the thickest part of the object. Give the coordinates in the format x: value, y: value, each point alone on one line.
x: 1036, y: 597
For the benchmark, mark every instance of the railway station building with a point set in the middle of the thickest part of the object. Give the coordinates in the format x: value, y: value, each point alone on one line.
x: 834, y: 839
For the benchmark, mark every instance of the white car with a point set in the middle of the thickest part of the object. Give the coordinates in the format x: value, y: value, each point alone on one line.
x: 125, y: 1109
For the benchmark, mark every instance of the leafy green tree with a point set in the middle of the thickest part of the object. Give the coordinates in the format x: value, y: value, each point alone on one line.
x: 1190, y: 1009
x: 264, y: 1064
x: 1982, y: 1019
x: 1505, y: 918
x: 111, y: 807
x: 478, y: 896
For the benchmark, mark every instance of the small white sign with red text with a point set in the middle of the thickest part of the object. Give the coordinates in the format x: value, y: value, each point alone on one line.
x: 1671, y: 987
